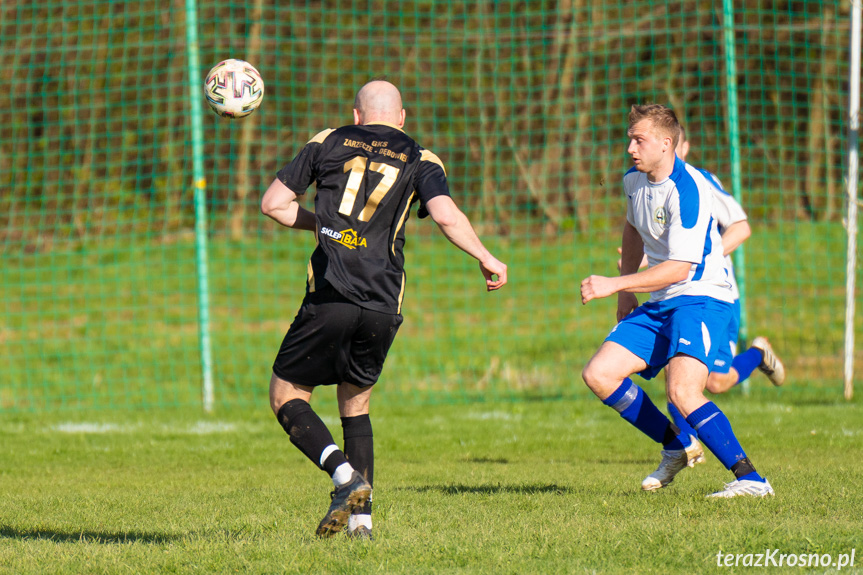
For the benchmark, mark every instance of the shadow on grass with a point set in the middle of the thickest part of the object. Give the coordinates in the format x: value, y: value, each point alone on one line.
x: 86, y: 536
x: 486, y: 460
x: 489, y: 489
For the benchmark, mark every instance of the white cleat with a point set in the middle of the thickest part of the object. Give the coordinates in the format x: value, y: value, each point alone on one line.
x: 745, y: 487
x: 673, y: 462
x: 770, y: 364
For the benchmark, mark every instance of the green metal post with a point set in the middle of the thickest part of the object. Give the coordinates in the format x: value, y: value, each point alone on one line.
x: 739, y: 255
x: 200, y: 204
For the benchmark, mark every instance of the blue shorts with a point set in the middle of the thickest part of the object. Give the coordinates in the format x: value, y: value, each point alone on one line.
x: 722, y: 363
x: 696, y: 326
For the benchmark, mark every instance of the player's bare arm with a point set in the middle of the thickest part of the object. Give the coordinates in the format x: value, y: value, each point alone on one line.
x: 653, y: 279
x: 643, y: 263
x: 631, y: 250
x: 632, y: 258
x: 457, y: 229
x: 734, y: 235
x: 280, y: 204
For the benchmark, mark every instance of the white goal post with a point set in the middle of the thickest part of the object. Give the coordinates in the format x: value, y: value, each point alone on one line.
x: 853, y: 168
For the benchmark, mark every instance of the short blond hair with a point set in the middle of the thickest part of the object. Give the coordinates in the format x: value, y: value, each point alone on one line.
x: 663, y: 119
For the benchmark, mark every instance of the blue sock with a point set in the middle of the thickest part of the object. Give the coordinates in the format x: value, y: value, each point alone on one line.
x: 680, y: 421
x: 634, y: 406
x: 714, y: 430
x: 746, y: 363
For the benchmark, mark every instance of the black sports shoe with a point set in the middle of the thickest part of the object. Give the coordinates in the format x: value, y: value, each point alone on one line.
x: 361, y: 532
x: 352, y: 494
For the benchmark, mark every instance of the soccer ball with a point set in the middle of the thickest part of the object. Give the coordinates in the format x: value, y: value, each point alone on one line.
x: 234, y: 88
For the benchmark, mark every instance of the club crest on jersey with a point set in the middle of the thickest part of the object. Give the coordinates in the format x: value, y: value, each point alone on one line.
x: 347, y: 238
x: 659, y: 215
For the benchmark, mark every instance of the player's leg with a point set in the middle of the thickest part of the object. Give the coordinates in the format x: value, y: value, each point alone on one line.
x: 688, y: 355
x: 694, y: 448
x: 369, y: 346
x: 695, y: 454
x: 290, y: 403
x: 698, y: 325
x: 607, y: 375
x: 721, y: 382
x: 314, y: 353
x: 770, y: 365
x: 760, y: 356
x: 723, y: 375
x: 359, y: 448
x: 713, y: 428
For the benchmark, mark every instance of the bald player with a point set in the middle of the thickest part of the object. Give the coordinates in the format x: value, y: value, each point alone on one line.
x: 368, y: 175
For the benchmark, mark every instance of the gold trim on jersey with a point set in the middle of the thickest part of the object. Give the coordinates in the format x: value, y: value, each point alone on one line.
x: 402, y: 221
x: 320, y: 136
x: 401, y: 293
x: 384, y: 124
x: 310, y: 272
x: 311, y: 277
x: 428, y: 156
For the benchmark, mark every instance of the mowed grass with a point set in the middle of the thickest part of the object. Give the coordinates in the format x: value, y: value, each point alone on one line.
x: 519, y: 487
x: 114, y: 324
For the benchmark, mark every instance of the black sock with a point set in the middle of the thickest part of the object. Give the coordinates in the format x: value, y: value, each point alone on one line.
x: 309, y: 434
x: 671, y: 433
x: 742, y: 467
x: 360, y: 451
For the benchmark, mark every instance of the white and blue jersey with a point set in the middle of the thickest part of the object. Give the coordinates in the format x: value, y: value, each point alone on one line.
x: 726, y: 212
x: 674, y: 219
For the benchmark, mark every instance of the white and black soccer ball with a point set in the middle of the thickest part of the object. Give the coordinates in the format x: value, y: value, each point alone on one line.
x: 234, y: 88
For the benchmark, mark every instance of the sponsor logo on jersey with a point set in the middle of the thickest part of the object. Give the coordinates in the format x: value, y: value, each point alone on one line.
x: 659, y: 215
x: 347, y: 238
x: 684, y: 341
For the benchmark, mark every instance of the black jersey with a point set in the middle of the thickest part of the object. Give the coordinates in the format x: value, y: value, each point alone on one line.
x: 367, y: 177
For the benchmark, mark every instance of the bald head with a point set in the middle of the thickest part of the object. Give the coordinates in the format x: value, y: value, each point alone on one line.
x: 379, y: 101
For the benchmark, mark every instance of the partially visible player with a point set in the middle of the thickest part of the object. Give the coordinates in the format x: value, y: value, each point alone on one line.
x: 734, y: 229
x: 727, y: 372
x: 668, y: 218
x: 369, y: 175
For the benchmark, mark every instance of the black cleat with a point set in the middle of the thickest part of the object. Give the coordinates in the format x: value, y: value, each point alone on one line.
x: 346, y: 498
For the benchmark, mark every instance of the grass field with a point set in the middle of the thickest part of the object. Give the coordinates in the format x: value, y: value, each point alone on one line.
x: 520, y: 487
x: 108, y: 465
x: 114, y: 324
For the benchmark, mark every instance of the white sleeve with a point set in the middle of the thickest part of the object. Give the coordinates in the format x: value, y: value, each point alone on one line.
x: 726, y: 210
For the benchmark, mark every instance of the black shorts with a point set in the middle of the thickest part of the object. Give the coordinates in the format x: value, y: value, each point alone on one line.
x: 333, y: 340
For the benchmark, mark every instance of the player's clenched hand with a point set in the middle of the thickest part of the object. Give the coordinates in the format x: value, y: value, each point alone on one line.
x: 626, y: 302
x: 596, y: 287
x: 493, y: 267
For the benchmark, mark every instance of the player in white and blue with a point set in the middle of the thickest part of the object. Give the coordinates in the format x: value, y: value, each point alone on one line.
x: 668, y: 218
x: 729, y: 368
